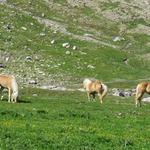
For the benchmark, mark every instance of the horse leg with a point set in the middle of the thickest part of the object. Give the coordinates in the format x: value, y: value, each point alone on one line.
x: 15, y: 99
x: 103, y: 95
x: 93, y: 95
x: 138, y: 99
x: 89, y: 97
x: 1, y: 89
x: 100, y: 98
x: 12, y: 98
x: 9, y: 95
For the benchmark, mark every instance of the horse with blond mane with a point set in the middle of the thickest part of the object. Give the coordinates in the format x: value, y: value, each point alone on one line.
x: 9, y: 82
x: 95, y: 87
x: 143, y: 87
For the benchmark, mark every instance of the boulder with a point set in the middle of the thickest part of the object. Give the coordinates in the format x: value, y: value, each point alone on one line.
x: 2, y: 65
x: 91, y: 67
x: 68, y: 52
x: 147, y: 99
x: 32, y: 82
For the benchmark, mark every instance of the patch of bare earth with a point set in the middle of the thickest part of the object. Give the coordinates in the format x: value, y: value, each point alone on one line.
x: 128, y: 10
x: 3, y: 1
x: 140, y: 29
x: 145, y: 56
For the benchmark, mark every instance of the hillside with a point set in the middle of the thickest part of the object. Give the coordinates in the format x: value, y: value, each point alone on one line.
x: 107, y: 40
x: 55, y: 44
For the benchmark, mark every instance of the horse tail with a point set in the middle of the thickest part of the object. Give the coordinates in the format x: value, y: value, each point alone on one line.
x: 105, y: 90
x: 14, y: 88
x: 137, y: 90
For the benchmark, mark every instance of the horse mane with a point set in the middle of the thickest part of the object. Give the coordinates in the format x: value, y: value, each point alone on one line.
x: 99, y: 82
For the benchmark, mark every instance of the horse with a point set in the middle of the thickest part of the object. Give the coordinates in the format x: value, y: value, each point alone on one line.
x: 94, y: 87
x: 9, y: 82
x: 143, y: 87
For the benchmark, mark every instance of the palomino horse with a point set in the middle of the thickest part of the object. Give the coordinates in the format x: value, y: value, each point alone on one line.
x: 9, y: 82
x: 95, y: 87
x: 143, y: 87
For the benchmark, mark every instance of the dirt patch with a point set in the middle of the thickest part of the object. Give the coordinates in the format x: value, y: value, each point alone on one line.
x: 145, y: 56
x: 140, y: 29
x: 3, y: 1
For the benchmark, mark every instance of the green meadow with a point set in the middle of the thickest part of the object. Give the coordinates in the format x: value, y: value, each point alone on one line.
x: 66, y: 120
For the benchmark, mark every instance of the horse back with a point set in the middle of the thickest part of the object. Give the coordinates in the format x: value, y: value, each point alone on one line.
x: 95, y: 86
x: 6, y: 81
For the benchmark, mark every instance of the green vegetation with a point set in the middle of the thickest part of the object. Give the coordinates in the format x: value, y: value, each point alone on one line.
x: 66, y: 120
x: 135, y: 22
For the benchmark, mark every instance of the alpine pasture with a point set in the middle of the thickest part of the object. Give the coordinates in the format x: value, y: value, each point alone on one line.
x: 47, y: 44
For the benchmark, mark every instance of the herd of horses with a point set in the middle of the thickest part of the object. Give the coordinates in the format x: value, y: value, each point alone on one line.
x: 92, y: 87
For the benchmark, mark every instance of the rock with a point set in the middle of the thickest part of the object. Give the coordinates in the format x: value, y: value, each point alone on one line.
x: 2, y: 65
x: 24, y: 28
x: 42, y: 34
x: 83, y: 53
x: 35, y: 95
x: 88, y: 35
x: 74, y: 48
x: 68, y: 52
x: 126, y: 60
x: 66, y: 45
x: 28, y: 58
x: 127, y: 93
x: 147, y: 99
x: 117, y: 92
x: 7, y: 59
x: 29, y: 40
x: 32, y: 82
x: 122, y: 93
x: 91, y: 67
x: 53, y: 41
x: 117, y: 38
x: 8, y: 27
x: 43, y: 15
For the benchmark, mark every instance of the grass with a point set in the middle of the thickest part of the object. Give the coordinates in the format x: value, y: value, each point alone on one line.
x: 66, y: 120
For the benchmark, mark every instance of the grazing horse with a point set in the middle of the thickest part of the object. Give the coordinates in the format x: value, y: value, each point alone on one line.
x: 143, y: 87
x: 95, y: 87
x: 9, y: 82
